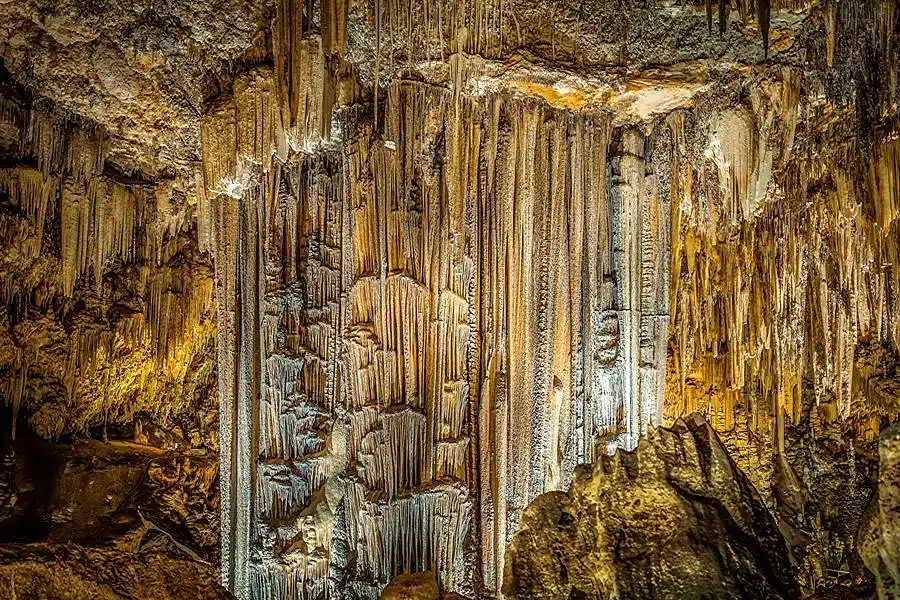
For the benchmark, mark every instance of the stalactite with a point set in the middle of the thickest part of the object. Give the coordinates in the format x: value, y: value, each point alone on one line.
x: 412, y: 533
x: 484, y: 290
x: 307, y: 69
x: 46, y: 140
x: 763, y: 8
x: 13, y: 123
x: 758, y: 327
x: 98, y: 223
x: 34, y: 194
x: 17, y: 388
x: 724, y: 9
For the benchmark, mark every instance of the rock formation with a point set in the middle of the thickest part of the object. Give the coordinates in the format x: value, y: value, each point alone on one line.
x: 404, y: 266
x: 72, y: 572
x: 107, y: 520
x: 674, y: 519
x: 880, y: 535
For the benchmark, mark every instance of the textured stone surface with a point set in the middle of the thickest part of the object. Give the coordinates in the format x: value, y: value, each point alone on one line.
x: 142, y: 70
x: 447, y: 252
x: 151, y: 569
x: 92, y: 492
x: 673, y: 519
x: 107, y: 520
x: 880, y: 532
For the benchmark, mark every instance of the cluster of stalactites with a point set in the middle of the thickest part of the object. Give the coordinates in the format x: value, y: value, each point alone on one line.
x: 99, y: 222
x: 776, y: 280
x: 496, y: 215
x: 58, y: 181
x: 273, y: 110
x: 308, y: 68
x: 271, y: 216
x: 417, y: 532
x: 241, y: 134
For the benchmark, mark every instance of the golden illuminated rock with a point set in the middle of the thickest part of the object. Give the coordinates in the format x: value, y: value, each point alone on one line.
x: 406, y: 265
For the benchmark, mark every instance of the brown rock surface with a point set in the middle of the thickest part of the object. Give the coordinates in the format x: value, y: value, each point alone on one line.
x: 107, y: 520
x: 406, y: 264
x: 412, y: 586
x: 149, y: 570
x: 92, y: 493
x: 674, y: 519
x: 140, y: 69
x: 880, y: 533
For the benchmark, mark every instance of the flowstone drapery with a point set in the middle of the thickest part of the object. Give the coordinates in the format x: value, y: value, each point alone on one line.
x: 436, y: 302
x: 463, y: 295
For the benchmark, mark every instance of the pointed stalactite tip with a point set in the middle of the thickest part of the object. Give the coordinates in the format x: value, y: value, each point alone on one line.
x: 763, y: 8
x: 724, y: 6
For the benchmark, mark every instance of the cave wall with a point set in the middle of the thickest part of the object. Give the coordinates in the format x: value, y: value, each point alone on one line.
x: 454, y: 250
x: 106, y: 301
x: 513, y: 268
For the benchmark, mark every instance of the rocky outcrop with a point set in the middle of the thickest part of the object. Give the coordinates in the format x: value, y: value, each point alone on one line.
x: 880, y: 533
x: 107, y: 520
x: 674, y: 519
x: 139, y: 569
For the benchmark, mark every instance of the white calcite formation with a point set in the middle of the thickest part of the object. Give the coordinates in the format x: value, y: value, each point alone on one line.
x: 484, y: 284
x: 460, y: 249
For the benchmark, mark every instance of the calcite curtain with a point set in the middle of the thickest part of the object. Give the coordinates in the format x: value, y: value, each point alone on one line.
x: 434, y: 306
x: 436, y: 326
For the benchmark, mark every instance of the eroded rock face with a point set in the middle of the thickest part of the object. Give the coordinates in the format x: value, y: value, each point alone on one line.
x: 151, y: 569
x: 880, y: 533
x: 107, y: 520
x: 673, y: 519
x: 451, y: 250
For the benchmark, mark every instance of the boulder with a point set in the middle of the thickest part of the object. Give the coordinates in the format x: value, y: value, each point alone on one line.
x: 675, y: 518
x: 879, y: 537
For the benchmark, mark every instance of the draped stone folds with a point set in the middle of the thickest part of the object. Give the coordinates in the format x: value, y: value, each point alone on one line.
x: 474, y: 298
x: 434, y: 317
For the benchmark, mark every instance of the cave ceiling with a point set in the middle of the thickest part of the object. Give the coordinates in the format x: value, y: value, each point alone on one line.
x: 340, y: 298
